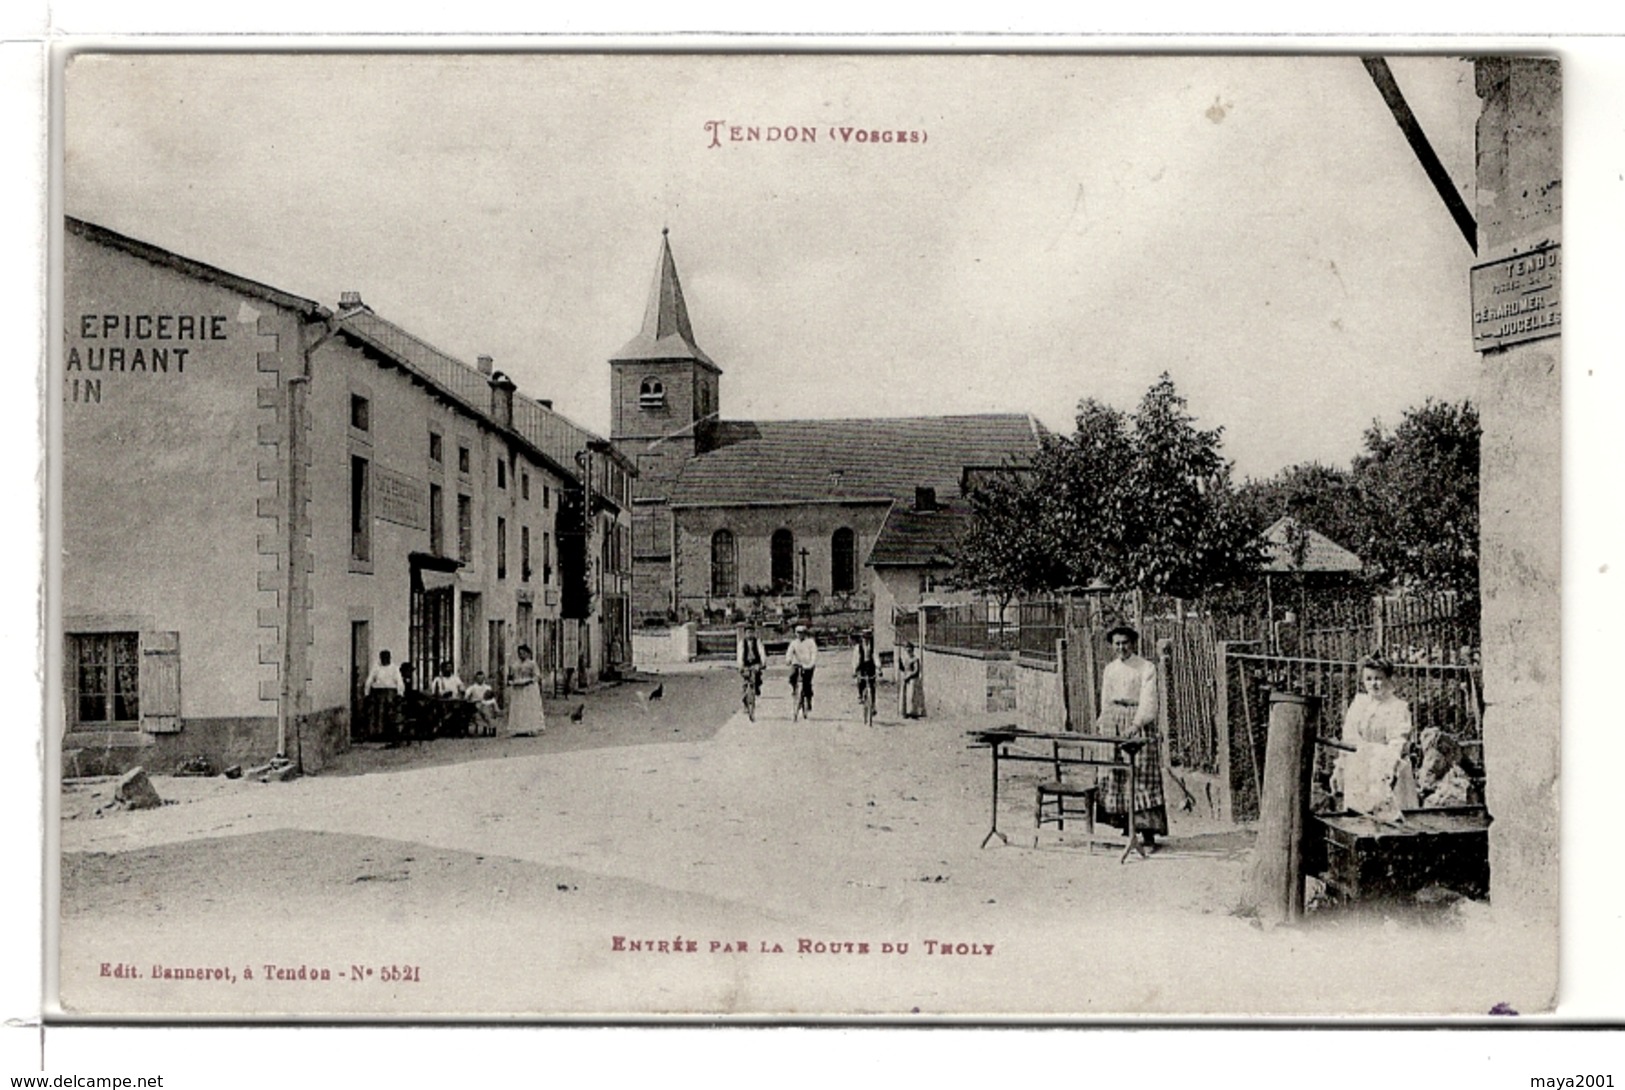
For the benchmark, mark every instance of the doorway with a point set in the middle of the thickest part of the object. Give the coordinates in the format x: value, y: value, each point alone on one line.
x: 360, y: 667
x: 496, y: 668
x: 470, y: 630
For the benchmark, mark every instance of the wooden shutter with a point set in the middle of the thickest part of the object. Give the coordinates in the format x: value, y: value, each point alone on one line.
x: 161, y: 682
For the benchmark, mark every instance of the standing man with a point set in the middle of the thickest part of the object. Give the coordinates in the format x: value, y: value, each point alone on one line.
x: 1128, y: 709
x: 383, y: 688
x: 802, y: 658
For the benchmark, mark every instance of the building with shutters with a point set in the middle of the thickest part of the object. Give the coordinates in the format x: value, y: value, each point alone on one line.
x: 259, y: 493
x: 731, y: 515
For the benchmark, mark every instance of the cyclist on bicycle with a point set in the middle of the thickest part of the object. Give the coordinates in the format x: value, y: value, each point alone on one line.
x: 802, y: 658
x: 864, y: 670
x: 750, y: 658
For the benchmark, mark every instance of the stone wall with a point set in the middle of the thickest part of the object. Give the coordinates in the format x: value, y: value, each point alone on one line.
x: 955, y: 683
x: 1519, y: 210
x: 1039, y: 704
x: 224, y: 740
x: 653, y: 646
x: 319, y: 737
x: 813, y: 526
x: 978, y: 685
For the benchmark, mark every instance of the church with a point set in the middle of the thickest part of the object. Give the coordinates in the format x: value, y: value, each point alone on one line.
x: 836, y: 519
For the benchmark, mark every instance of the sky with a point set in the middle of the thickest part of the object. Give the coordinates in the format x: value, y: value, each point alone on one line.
x: 1065, y: 227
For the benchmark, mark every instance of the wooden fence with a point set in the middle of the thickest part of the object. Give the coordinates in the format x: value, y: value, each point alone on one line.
x: 1408, y: 628
x: 1215, y: 686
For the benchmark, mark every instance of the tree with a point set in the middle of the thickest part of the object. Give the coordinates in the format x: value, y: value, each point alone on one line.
x: 1320, y: 497
x: 1003, y: 552
x: 1407, y: 504
x: 1141, y: 501
x: 1420, y: 487
x: 1184, y: 531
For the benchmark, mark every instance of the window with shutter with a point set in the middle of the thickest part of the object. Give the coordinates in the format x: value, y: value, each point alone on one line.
x: 103, y: 676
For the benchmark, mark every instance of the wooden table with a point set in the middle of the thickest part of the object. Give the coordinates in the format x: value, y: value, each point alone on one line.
x: 999, y: 740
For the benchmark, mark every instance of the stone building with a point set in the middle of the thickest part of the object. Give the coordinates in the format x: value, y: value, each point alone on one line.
x: 738, y: 515
x: 259, y: 494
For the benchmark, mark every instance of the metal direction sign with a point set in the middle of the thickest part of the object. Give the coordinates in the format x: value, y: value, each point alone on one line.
x: 1517, y: 299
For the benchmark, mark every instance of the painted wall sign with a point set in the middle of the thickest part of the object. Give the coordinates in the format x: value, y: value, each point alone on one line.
x: 133, y: 344
x: 400, y: 499
x: 1517, y: 299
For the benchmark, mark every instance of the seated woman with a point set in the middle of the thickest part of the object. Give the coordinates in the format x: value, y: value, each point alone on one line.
x: 1376, y: 777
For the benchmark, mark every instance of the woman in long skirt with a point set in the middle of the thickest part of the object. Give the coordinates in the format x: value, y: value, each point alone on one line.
x: 1128, y: 709
x: 525, y: 714
x: 910, y: 685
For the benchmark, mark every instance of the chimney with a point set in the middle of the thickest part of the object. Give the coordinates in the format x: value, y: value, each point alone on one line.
x: 502, y: 389
x: 350, y: 300
x: 925, y: 499
x: 545, y: 402
x: 484, y: 361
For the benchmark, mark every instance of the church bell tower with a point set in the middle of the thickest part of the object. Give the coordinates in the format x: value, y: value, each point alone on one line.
x: 664, y: 395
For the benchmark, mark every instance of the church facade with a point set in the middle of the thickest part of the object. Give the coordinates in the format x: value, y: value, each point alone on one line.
x: 806, y: 516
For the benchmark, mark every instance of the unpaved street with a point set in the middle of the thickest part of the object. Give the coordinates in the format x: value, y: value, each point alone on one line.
x: 542, y: 876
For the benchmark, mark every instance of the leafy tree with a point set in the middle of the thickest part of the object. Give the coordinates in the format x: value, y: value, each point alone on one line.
x: 1003, y: 551
x: 1407, y: 504
x: 1185, y: 532
x: 1420, y: 487
x: 1320, y: 497
x: 1140, y: 501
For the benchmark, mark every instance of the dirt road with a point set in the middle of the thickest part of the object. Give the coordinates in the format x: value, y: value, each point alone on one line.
x: 775, y: 862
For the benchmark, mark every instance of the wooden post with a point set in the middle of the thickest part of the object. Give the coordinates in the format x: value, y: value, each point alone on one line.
x: 1227, y: 804
x: 1278, y: 861
x: 1063, y: 677
x: 1165, y: 719
x: 1091, y: 675
x: 1269, y: 616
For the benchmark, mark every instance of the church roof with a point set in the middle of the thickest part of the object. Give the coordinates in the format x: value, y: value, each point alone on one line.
x: 1322, y: 554
x: 666, y: 332
x: 911, y: 538
x: 821, y: 461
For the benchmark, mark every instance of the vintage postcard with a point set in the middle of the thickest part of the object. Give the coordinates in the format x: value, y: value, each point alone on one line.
x: 554, y: 535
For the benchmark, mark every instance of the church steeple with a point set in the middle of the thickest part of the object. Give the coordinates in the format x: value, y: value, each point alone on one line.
x: 666, y: 332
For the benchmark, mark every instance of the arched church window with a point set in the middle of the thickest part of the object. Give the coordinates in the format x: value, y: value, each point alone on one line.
x: 652, y: 394
x: 782, y: 554
x: 724, y: 565
x: 843, y: 561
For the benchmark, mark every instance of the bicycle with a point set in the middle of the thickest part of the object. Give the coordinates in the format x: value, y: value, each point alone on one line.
x: 751, y: 681
x: 799, y: 685
x: 866, y: 698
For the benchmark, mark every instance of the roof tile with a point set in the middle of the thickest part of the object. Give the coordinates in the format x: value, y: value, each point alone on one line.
x: 801, y: 461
